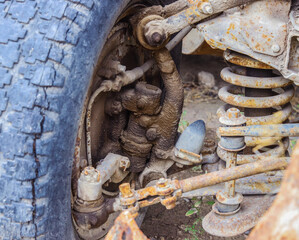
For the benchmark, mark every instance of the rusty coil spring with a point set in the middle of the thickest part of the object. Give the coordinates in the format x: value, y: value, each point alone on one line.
x: 264, y: 98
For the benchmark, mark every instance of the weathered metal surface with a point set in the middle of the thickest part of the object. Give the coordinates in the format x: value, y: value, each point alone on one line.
x: 230, y: 186
x: 250, y: 30
x: 278, y: 151
x: 274, y: 130
x: 113, y: 167
x: 229, y: 75
x: 282, y: 219
x: 152, y: 38
x: 243, y: 60
x: 187, y: 158
x: 275, y: 118
x: 232, y: 117
x: 163, y: 11
x: 167, y: 191
x: 89, y: 184
x: 208, y: 152
x: 258, y: 105
x: 228, y: 201
x: 227, y: 95
x: 252, y: 208
x: 193, y: 40
x: 196, y: 11
x: 194, y: 44
x: 258, y: 184
x: 235, y: 31
x: 125, y: 228
x: 90, y: 216
x: 244, y: 170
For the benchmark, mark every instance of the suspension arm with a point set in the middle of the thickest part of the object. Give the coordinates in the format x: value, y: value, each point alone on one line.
x: 167, y: 191
x: 197, y: 10
x: 273, y: 130
x: 234, y: 173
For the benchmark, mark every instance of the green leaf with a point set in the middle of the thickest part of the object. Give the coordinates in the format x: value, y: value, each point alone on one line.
x: 191, y: 212
x: 210, y: 203
x: 196, y: 168
x: 197, y: 204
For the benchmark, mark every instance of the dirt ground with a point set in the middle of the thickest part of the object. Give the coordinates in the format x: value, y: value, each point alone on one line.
x: 162, y: 224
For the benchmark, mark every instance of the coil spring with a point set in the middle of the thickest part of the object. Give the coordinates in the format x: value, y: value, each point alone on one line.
x: 264, y: 98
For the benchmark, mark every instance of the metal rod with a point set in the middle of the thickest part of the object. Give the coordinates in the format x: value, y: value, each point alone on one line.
x: 230, y: 185
x: 197, y: 11
x: 275, y: 130
x: 229, y: 174
x: 178, y: 38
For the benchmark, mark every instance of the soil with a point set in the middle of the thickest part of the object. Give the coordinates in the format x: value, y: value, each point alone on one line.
x: 162, y: 224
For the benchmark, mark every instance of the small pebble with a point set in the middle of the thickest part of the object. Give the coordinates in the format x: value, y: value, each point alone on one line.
x: 207, y: 79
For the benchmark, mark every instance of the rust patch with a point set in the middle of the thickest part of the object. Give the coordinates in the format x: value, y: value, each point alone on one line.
x: 282, y: 219
x: 125, y: 228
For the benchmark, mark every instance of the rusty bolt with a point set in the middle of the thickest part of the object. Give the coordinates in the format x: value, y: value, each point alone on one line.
x: 207, y: 8
x: 233, y: 117
x: 275, y: 48
x: 155, y: 34
x: 125, y: 190
x: 233, y: 113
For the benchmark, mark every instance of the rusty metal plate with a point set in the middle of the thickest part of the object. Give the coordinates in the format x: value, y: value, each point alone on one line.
x: 260, y: 27
x: 252, y: 208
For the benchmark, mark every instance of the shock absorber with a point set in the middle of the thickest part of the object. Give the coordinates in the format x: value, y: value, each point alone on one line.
x: 263, y: 96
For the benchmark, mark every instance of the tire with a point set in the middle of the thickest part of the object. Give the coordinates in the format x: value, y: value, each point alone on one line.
x: 48, y: 49
x: 47, y: 52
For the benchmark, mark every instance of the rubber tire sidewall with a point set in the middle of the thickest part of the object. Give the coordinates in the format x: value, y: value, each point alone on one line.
x: 103, y: 17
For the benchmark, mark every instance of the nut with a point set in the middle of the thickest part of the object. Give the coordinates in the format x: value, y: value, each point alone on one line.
x: 154, y: 34
x: 275, y: 48
x: 207, y: 8
x: 125, y: 190
x: 233, y: 113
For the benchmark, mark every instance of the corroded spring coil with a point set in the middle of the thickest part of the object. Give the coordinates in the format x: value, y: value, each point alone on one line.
x: 264, y: 98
